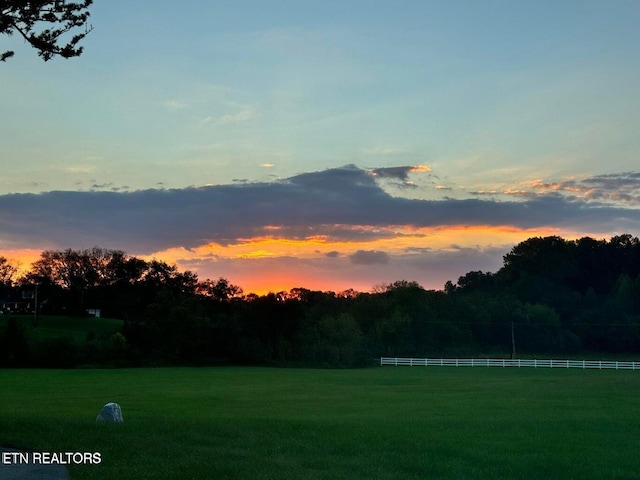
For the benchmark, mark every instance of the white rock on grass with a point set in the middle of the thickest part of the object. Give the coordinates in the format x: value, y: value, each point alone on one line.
x: 111, y: 412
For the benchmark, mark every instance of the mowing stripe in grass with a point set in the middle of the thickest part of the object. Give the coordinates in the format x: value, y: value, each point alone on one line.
x: 352, y: 424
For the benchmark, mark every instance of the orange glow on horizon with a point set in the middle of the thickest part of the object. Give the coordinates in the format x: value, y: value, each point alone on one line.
x: 271, y: 263
x: 21, y: 258
x: 284, y: 282
x: 277, y: 274
x: 394, y: 240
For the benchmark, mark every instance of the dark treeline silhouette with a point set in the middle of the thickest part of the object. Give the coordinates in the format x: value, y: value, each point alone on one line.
x: 551, y: 296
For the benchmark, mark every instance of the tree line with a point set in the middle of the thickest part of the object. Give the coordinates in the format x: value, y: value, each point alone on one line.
x: 551, y: 297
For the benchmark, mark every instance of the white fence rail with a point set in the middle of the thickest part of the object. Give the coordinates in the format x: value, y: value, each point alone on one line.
x: 506, y: 362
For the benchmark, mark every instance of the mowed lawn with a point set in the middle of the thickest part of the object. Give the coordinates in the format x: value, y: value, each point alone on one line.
x: 56, y: 326
x: 376, y: 423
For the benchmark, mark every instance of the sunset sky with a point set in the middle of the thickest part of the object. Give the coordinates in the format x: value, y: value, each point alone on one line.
x: 325, y: 144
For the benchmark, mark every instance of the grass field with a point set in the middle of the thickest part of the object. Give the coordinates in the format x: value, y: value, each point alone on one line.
x: 377, y: 423
x: 55, y: 326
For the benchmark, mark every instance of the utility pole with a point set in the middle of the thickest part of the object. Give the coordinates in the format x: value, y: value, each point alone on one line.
x: 513, y: 342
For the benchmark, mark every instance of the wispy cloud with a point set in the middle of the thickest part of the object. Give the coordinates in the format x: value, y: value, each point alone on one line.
x: 244, y: 114
x: 240, y: 114
x: 399, y: 176
x: 384, y: 150
x: 611, y: 188
x: 78, y: 169
x: 175, y: 104
x: 399, y: 173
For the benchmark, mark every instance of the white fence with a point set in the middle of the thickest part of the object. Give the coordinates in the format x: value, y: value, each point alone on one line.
x: 506, y: 362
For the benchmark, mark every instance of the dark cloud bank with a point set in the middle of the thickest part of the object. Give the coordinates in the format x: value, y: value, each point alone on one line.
x: 327, y: 202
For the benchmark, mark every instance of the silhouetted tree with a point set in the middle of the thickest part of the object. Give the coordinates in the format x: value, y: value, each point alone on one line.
x: 221, y: 290
x: 44, y: 25
x: 560, y: 296
x: 334, y: 341
x: 160, y: 275
x: 7, y: 271
x: 476, y: 280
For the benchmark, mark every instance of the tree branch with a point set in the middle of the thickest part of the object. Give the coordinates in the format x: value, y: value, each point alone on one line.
x: 24, y: 16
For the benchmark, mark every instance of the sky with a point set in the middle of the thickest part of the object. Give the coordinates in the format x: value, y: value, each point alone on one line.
x: 324, y: 144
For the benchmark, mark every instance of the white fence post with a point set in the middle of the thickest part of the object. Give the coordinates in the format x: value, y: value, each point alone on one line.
x: 493, y: 362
